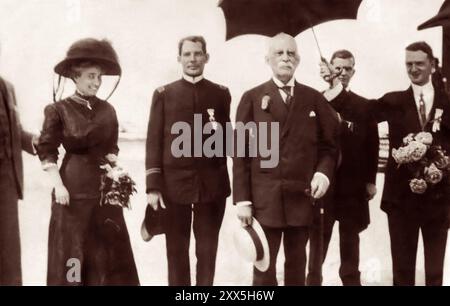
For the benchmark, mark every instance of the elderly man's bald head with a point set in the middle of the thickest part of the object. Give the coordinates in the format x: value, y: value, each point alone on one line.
x: 282, y: 56
x: 274, y: 40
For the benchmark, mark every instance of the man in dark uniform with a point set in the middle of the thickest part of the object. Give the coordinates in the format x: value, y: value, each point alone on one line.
x: 12, y: 141
x: 191, y: 185
x: 279, y: 197
x: 354, y: 183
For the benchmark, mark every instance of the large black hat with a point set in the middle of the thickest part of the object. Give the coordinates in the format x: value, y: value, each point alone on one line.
x: 99, y: 51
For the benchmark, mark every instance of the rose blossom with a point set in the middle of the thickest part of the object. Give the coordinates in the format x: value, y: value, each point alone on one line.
x: 408, y: 139
x: 432, y: 174
x: 425, y: 138
x: 418, y: 186
x: 416, y: 150
x: 442, y: 162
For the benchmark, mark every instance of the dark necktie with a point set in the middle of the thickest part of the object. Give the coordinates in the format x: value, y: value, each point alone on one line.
x: 422, y: 110
x: 287, y: 91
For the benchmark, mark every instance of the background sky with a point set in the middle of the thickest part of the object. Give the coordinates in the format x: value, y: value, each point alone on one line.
x: 35, y: 34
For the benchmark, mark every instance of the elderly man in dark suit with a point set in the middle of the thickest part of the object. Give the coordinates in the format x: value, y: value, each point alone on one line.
x: 12, y: 141
x: 190, y: 186
x: 278, y: 196
x: 420, y: 108
x: 354, y: 184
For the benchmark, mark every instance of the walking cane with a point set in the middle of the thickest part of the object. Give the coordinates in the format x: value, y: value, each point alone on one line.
x: 321, y: 233
x: 318, y: 202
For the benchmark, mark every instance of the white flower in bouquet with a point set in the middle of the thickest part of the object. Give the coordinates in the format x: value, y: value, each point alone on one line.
x: 116, y: 173
x: 408, y: 139
x: 425, y: 138
x: 416, y: 150
x: 401, y: 155
x: 398, y: 155
x: 112, y: 158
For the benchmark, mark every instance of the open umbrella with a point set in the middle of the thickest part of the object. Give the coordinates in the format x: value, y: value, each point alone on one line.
x: 270, y: 17
x: 442, y: 18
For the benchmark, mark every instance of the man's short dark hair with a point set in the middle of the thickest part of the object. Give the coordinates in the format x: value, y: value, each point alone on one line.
x: 194, y: 38
x: 421, y: 46
x: 345, y: 54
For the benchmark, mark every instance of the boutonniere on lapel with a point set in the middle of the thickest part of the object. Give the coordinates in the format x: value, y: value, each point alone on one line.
x: 265, y: 103
x: 437, y: 120
x: 350, y: 125
x: 212, y: 119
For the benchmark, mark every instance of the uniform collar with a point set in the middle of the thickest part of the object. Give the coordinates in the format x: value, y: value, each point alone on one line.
x: 191, y: 79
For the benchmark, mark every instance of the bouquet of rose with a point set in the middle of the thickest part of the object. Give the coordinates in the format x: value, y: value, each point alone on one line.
x: 116, y: 184
x: 428, y: 163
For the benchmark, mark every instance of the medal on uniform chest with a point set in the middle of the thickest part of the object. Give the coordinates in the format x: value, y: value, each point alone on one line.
x: 212, y: 119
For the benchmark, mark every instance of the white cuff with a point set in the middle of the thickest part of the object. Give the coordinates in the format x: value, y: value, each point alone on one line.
x: 47, y: 165
x: 332, y: 93
x: 324, y: 176
x: 34, y: 148
x: 243, y: 203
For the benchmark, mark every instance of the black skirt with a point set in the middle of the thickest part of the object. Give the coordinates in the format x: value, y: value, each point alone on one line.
x: 89, y: 245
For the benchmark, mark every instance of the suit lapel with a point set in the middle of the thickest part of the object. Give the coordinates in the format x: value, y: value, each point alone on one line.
x: 438, y: 102
x: 410, y: 110
x: 297, y: 109
x: 278, y: 108
x: 7, y: 102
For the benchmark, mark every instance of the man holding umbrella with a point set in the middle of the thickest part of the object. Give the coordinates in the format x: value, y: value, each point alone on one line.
x: 419, y: 108
x: 354, y: 185
x: 280, y: 198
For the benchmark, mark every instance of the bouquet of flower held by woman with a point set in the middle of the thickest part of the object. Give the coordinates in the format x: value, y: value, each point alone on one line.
x: 429, y: 164
x: 116, y: 185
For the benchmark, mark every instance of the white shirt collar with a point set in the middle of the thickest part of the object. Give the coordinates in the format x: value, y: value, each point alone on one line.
x: 427, y: 90
x: 280, y: 84
x: 192, y: 79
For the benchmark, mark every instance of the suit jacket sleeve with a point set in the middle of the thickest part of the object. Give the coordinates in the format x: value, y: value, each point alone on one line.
x: 372, y: 150
x: 114, y: 148
x: 154, y: 144
x: 241, y: 165
x: 362, y: 108
x: 51, y: 136
x: 227, y: 101
x: 328, y: 138
x: 26, y: 138
x: 380, y: 109
x: 445, y: 124
x: 27, y: 142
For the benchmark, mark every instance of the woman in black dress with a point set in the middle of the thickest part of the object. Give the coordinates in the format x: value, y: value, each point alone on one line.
x: 88, y: 242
